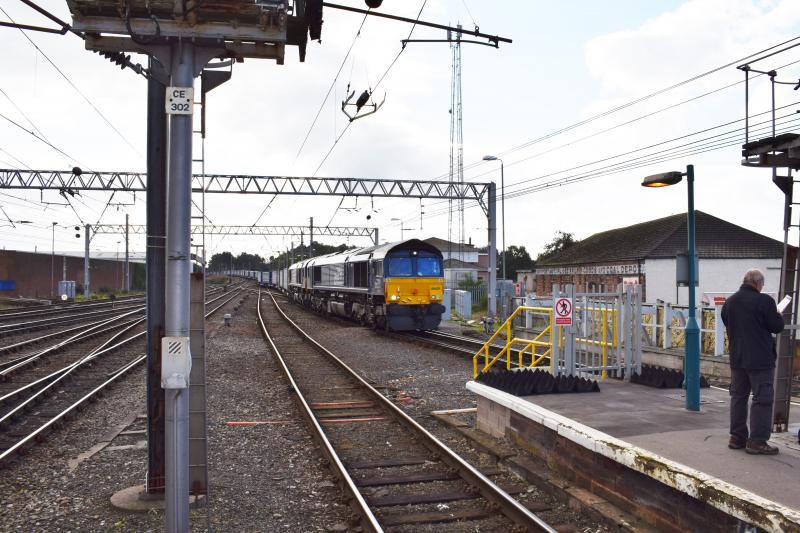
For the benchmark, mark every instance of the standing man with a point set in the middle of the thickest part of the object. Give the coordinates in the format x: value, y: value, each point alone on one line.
x: 751, y: 318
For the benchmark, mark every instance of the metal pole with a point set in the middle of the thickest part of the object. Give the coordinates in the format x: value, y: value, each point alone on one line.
x: 311, y: 239
x: 86, y: 240
x: 503, y: 217
x: 492, y: 218
x: 692, y: 353
x: 127, y: 258
x: 375, y: 237
x: 155, y: 272
x: 53, y: 262
x: 179, y: 190
x: 64, y: 268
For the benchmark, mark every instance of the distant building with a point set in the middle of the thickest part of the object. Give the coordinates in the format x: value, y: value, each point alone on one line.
x: 460, y: 261
x: 526, y: 280
x: 28, y: 274
x: 646, y: 253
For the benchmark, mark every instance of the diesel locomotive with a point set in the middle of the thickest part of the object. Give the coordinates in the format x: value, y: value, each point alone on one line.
x: 397, y: 286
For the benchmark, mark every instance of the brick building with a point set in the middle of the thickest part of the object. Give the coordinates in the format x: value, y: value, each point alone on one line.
x: 645, y: 254
x: 28, y: 274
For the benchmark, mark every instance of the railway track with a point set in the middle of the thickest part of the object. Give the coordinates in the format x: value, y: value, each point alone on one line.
x: 395, y: 473
x: 54, y: 394
x: 49, y: 310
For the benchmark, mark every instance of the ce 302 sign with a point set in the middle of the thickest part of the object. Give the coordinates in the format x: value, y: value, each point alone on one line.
x: 180, y: 100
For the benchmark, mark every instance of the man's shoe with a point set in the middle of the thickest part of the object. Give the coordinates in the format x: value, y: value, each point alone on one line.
x: 736, y: 443
x: 760, y: 448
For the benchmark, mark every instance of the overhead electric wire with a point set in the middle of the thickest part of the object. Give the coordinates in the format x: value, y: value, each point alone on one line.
x: 630, y: 103
x: 69, y: 81
x: 708, y: 144
x: 21, y: 112
x: 333, y: 83
x: 31, y: 132
x: 386, y: 72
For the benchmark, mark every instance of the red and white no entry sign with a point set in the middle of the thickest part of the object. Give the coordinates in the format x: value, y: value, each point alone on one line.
x: 563, y: 311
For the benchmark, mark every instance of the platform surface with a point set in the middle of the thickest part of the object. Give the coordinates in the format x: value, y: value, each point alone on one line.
x: 655, y: 420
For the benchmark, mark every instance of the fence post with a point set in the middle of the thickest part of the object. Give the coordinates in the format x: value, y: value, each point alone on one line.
x: 719, y: 332
x: 636, y: 329
x: 529, y: 314
x: 555, y: 334
x: 667, y: 326
x: 569, y: 334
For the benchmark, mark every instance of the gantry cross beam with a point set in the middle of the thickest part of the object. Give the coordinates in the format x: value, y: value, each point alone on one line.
x: 243, y: 184
x: 213, y: 229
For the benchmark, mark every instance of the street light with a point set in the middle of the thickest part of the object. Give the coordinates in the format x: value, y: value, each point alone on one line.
x: 502, y: 219
x: 691, y: 358
x: 402, y: 230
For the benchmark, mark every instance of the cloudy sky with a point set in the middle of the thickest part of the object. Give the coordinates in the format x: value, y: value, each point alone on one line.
x: 569, y: 62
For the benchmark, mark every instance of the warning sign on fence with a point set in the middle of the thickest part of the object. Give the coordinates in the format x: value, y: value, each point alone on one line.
x: 563, y: 311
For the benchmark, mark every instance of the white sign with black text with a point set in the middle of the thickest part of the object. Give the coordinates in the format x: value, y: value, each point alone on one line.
x: 180, y: 100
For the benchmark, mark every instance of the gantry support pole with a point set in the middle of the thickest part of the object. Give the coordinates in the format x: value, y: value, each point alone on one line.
x: 179, y: 195
x: 86, y: 239
x: 491, y: 208
x: 156, y: 235
x: 127, y: 283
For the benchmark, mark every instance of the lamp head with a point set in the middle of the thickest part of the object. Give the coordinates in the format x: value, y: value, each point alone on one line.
x: 489, y: 158
x: 664, y: 179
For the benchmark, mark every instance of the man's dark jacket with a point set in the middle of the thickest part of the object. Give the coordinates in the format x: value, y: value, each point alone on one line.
x: 750, y: 318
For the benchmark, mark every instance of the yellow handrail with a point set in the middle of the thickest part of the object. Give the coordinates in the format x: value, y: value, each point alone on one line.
x: 531, y: 345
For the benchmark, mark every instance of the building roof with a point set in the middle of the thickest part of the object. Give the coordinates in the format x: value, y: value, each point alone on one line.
x: 456, y: 263
x: 666, y: 237
x: 446, y: 246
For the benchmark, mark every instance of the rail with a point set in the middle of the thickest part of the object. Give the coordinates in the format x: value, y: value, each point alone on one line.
x: 63, y: 373
x: 510, y: 507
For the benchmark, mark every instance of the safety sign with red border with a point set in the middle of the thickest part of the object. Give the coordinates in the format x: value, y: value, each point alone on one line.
x: 563, y: 311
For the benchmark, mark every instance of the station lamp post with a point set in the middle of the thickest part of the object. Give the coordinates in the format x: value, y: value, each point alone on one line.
x: 691, y: 362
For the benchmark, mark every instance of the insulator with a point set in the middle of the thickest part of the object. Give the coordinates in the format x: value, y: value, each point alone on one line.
x: 372, y: 4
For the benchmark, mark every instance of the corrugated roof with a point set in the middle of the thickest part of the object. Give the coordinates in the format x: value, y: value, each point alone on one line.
x: 666, y: 237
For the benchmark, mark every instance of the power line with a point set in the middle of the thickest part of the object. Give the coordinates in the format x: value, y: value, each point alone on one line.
x: 385, y: 73
x: 335, y: 79
x: 69, y: 81
x: 631, y: 103
x: 31, y: 132
x: 21, y: 112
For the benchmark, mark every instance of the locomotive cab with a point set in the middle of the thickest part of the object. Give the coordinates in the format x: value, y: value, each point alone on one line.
x: 413, y: 286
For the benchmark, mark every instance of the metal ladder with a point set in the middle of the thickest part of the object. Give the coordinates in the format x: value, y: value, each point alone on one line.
x: 789, y: 284
x: 198, y: 416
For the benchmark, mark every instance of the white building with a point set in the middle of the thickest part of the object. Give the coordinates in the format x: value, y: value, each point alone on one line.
x: 646, y: 254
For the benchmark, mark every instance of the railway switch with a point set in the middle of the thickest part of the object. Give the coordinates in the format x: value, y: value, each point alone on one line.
x: 176, y: 362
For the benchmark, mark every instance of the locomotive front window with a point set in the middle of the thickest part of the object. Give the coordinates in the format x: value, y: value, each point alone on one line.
x: 400, y: 267
x: 428, y: 266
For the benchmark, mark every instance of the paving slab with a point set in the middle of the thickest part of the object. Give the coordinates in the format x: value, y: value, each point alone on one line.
x: 656, y: 420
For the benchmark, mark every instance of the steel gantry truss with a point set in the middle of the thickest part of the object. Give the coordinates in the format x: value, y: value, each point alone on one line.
x: 485, y: 194
x: 232, y: 183
x: 212, y: 229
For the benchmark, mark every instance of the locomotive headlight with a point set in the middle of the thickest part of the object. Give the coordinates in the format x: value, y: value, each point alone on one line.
x: 395, y: 297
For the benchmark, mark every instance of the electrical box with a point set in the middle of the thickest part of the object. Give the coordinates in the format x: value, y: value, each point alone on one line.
x: 176, y: 362
x: 682, y: 270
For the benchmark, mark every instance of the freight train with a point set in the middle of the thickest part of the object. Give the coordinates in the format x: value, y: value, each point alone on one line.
x: 397, y: 286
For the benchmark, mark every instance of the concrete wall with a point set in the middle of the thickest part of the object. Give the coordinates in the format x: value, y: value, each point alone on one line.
x: 716, y: 275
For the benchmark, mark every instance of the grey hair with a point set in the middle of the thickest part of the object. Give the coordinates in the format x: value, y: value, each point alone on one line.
x: 754, y: 277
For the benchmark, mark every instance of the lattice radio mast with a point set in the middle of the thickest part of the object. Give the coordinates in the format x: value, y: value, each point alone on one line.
x: 456, y: 174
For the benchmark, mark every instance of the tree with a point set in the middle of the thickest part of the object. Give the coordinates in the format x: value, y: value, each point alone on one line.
x: 517, y: 258
x: 560, y: 242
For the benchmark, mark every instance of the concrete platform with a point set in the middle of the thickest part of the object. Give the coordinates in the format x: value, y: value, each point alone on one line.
x: 640, y: 448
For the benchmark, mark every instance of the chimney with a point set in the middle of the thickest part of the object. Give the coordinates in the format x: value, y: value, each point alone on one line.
x: 470, y: 241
